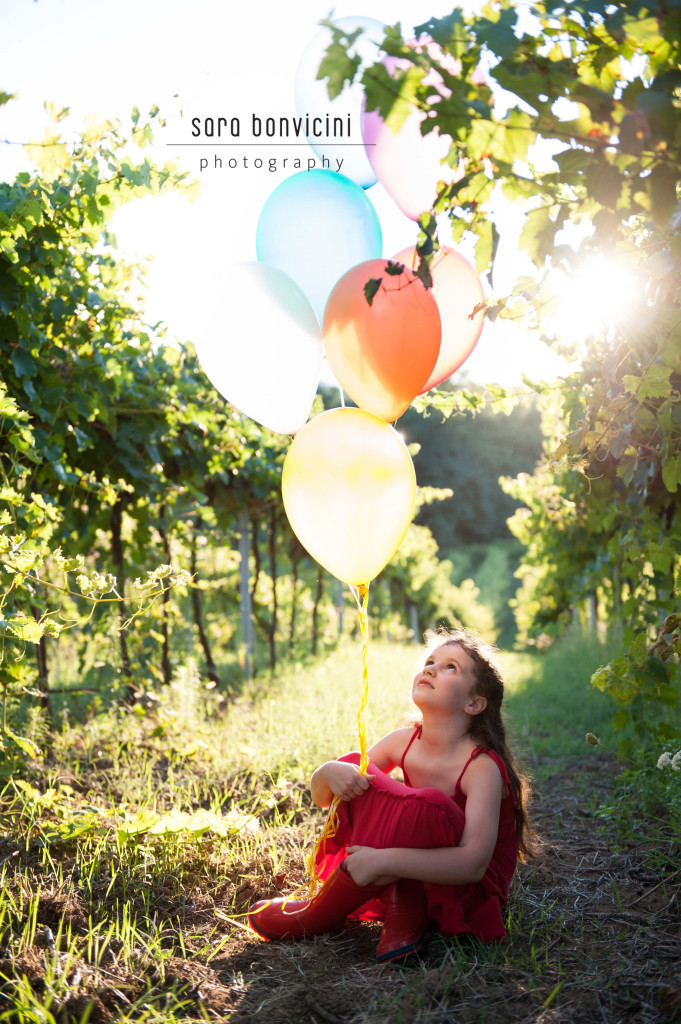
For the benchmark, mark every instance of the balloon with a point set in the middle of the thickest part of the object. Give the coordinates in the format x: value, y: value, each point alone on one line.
x: 312, y: 97
x: 314, y: 226
x: 349, y: 488
x: 457, y: 291
x: 382, y: 354
x: 263, y: 350
x: 408, y: 164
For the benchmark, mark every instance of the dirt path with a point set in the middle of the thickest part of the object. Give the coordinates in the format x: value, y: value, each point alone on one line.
x: 595, y: 936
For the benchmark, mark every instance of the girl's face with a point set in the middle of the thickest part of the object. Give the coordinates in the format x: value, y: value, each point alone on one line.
x: 447, y: 680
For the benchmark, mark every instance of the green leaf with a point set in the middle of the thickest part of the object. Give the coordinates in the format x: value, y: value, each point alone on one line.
x: 644, y: 32
x: 26, y: 628
x: 671, y: 473
x: 174, y: 822
x: 537, y: 234
x: 79, y: 825
x: 618, y: 679
x: 337, y: 65
x: 499, y: 34
x: 370, y: 289
x: 445, y: 30
x: 24, y: 363
x: 654, y: 383
x: 27, y: 746
x: 638, y: 650
x: 604, y: 182
x: 486, y: 245
x: 138, y: 825
x: 656, y: 669
x: 626, y: 468
x: 573, y: 161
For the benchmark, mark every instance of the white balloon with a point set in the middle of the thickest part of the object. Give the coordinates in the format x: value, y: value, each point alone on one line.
x: 261, y: 347
x: 312, y: 97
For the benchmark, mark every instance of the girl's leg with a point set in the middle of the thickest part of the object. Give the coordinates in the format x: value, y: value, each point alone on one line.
x: 324, y: 912
x: 391, y: 814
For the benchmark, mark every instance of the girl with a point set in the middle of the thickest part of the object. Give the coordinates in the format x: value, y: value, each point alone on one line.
x: 411, y: 855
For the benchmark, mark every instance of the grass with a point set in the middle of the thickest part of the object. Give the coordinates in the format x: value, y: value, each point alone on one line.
x: 130, y: 852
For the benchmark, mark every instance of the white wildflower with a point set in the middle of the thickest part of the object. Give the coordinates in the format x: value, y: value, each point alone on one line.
x: 664, y: 759
x: 676, y: 761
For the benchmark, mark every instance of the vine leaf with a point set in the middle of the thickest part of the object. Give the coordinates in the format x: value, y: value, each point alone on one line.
x: 370, y: 289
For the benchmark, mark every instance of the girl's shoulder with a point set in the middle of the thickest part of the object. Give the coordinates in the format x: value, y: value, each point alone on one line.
x: 487, y: 767
x: 390, y: 749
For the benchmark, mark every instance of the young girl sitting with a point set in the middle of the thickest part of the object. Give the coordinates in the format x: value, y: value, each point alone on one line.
x: 438, y: 851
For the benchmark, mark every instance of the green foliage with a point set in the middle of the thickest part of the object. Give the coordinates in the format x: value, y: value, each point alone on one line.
x: 492, y: 566
x: 417, y: 572
x: 650, y: 781
x: 81, y: 413
x: 469, y: 453
x: 646, y: 681
x: 601, y: 84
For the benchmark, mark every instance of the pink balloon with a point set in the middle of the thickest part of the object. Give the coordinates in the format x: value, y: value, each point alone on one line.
x: 408, y: 164
x: 457, y: 291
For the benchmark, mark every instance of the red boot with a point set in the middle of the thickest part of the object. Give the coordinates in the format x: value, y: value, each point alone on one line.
x: 407, y: 925
x: 324, y: 912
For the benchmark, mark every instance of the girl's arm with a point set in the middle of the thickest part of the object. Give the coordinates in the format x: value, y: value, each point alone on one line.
x: 344, y: 780
x: 337, y: 778
x: 456, y: 865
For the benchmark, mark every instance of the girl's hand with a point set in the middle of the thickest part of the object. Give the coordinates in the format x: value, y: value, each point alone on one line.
x: 365, y: 866
x: 345, y: 780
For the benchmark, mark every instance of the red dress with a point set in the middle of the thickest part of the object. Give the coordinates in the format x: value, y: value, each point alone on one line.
x: 390, y: 814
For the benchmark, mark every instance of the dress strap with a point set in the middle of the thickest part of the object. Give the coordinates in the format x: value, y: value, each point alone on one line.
x: 499, y: 762
x: 416, y: 733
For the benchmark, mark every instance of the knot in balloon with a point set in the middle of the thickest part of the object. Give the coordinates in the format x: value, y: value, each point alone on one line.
x: 457, y: 291
x: 407, y: 163
x: 314, y: 226
x: 349, y: 489
x: 382, y: 351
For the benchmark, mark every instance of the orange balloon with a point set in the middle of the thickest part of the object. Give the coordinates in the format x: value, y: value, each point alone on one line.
x: 384, y: 353
x: 457, y: 291
x: 349, y: 488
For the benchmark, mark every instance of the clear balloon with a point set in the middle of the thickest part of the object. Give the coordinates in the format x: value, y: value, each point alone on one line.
x: 261, y: 346
x: 312, y: 97
x: 382, y: 354
x: 349, y: 488
x: 457, y: 291
x: 315, y: 226
x: 407, y: 163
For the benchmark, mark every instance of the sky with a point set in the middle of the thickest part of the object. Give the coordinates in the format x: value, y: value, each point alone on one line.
x: 205, y: 59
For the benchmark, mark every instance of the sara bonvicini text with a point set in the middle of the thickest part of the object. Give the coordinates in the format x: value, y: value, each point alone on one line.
x: 274, y: 127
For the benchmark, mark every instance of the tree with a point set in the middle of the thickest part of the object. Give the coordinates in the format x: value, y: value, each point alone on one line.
x: 468, y: 454
x: 600, y: 83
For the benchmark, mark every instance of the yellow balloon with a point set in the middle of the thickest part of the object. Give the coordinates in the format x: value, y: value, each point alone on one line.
x: 349, y: 489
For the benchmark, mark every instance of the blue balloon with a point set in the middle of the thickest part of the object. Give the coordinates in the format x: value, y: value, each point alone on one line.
x: 315, y: 226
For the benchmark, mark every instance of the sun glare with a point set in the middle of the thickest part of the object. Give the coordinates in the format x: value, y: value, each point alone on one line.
x: 594, y: 302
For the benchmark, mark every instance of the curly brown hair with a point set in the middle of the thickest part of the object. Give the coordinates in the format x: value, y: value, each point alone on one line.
x: 488, y: 726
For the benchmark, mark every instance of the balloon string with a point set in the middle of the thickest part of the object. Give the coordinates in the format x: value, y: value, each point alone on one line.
x: 361, y: 596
